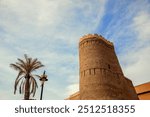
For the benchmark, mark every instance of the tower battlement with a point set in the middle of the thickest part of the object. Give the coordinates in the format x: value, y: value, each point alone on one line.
x: 101, y: 76
x: 93, y: 36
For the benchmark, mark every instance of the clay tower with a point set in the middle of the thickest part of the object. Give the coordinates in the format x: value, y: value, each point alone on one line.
x: 101, y: 76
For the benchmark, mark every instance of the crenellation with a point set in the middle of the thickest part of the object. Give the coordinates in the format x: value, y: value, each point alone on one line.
x: 94, y: 41
x: 95, y: 36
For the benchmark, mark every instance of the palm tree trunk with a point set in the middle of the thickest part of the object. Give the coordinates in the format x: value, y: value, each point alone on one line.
x: 27, y: 89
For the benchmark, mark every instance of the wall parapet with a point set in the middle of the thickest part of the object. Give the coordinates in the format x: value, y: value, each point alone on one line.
x: 90, y: 36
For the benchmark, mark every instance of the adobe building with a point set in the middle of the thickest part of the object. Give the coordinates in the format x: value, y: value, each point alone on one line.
x: 101, y: 76
x: 143, y: 91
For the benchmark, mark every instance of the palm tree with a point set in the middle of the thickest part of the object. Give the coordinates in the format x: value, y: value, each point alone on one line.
x: 25, y: 79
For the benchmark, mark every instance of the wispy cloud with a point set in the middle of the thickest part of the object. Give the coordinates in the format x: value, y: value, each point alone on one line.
x: 128, y: 26
x: 141, y: 25
x: 48, y: 30
x: 138, y: 58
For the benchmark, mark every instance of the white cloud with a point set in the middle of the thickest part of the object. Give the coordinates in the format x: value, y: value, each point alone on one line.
x: 71, y: 89
x: 138, y: 65
x: 48, y: 30
x: 50, y: 18
x: 129, y: 29
x: 142, y: 26
x: 137, y: 57
x: 73, y: 86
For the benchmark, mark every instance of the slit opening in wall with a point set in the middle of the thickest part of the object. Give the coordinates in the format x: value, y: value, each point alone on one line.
x: 108, y: 66
x: 90, y: 71
x: 94, y: 71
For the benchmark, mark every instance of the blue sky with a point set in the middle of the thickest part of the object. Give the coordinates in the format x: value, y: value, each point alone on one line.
x: 50, y: 30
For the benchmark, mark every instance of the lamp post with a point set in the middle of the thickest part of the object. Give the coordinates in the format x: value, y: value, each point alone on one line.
x: 43, y: 79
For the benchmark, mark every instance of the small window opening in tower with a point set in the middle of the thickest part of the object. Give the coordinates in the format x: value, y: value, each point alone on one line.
x: 94, y: 71
x: 90, y: 71
x: 84, y: 73
x: 108, y: 66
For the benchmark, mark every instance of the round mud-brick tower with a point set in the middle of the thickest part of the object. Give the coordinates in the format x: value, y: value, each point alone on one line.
x: 101, y: 76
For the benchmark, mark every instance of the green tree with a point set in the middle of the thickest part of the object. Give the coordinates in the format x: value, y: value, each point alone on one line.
x: 25, y: 79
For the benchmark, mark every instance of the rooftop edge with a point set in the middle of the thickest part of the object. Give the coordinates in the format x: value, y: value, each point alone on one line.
x: 95, y: 36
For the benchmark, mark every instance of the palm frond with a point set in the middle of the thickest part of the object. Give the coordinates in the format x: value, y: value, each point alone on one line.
x: 37, y: 67
x: 34, y: 61
x: 20, y: 87
x: 34, y: 86
x: 16, y: 67
x: 23, y: 87
x: 25, y: 68
x: 21, y: 61
x: 19, y: 75
x: 26, y: 57
x: 22, y: 66
x: 16, y: 84
x: 38, y: 76
x: 32, y: 89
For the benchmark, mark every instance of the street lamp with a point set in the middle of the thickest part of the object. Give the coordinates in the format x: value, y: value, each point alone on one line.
x: 43, y: 78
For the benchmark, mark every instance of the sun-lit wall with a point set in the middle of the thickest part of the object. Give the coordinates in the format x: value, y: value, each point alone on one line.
x: 101, y: 76
x: 143, y: 91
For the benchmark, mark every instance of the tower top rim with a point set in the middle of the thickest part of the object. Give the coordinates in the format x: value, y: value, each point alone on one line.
x: 90, y: 36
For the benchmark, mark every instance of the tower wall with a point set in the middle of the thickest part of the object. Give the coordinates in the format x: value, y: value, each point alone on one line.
x: 101, y: 76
